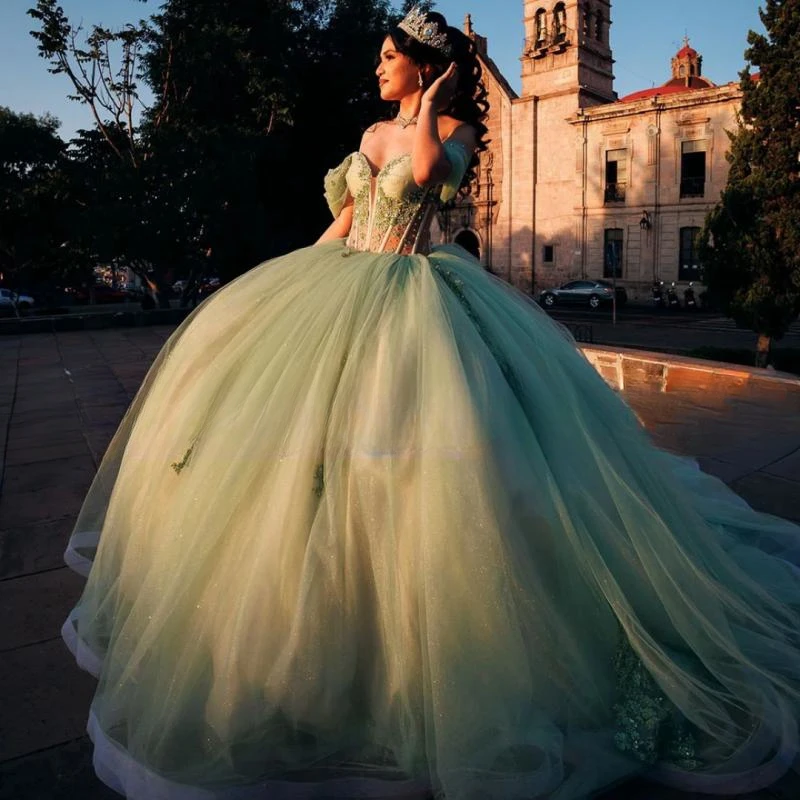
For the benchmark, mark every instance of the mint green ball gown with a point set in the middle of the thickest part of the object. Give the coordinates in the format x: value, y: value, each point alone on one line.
x: 373, y: 527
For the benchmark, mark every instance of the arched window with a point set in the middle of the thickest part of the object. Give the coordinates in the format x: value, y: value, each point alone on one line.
x: 587, y: 22
x: 540, y: 28
x: 559, y: 22
x: 682, y: 71
x: 598, y: 26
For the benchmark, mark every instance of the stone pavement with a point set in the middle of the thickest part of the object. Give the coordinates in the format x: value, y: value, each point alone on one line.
x: 61, y: 398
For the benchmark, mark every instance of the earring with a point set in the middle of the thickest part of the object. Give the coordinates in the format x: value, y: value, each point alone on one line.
x: 421, y: 81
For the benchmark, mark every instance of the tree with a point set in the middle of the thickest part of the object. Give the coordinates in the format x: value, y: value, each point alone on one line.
x: 409, y: 4
x: 109, y: 90
x: 122, y: 205
x: 34, y: 201
x: 254, y: 101
x: 249, y: 133
x: 750, y: 245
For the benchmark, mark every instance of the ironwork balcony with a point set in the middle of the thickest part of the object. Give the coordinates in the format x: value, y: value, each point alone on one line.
x: 693, y: 187
x: 615, y: 193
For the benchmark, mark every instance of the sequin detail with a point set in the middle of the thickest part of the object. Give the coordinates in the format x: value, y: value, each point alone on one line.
x: 390, y: 212
x: 649, y: 726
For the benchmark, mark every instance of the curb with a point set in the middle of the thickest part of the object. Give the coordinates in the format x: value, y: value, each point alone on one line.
x: 93, y: 322
x: 627, y: 368
x: 621, y: 367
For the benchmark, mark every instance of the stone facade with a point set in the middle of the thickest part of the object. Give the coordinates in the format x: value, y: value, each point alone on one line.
x: 579, y: 183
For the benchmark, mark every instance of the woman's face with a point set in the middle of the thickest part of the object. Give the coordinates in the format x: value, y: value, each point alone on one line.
x: 398, y: 75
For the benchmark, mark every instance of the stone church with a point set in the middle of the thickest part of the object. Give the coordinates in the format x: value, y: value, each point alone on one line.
x: 580, y: 183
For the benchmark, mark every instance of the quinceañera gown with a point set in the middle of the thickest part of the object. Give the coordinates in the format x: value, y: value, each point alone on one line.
x: 374, y: 527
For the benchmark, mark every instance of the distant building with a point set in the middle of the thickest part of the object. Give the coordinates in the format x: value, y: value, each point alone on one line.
x: 580, y: 183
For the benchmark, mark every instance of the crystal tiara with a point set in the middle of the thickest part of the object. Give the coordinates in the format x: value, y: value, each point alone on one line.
x: 418, y: 27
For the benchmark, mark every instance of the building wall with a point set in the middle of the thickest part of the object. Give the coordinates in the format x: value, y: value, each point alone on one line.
x: 487, y: 211
x: 547, y: 162
x: 652, y: 131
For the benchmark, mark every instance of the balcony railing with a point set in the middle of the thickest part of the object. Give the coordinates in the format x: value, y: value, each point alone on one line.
x: 615, y: 193
x: 693, y: 187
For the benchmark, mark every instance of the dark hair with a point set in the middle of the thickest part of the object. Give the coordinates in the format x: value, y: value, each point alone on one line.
x: 469, y: 103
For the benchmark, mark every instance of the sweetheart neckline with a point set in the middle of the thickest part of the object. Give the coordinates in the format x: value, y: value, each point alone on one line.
x: 375, y: 175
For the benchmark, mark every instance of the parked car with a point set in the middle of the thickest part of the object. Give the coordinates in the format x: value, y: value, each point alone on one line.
x: 10, y: 300
x: 592, y: 293
x: 202, y: 288
x: 209, y: 286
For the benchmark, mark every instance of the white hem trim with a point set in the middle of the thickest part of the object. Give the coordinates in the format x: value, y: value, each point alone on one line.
x: 128, y: 777
x: 73, y: 559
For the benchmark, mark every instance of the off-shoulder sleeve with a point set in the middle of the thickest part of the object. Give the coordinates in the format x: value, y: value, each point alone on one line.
x: 459, y: 160
x: 336, y: 186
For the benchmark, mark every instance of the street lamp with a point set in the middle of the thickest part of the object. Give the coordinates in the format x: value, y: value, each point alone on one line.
x: 644, y: 223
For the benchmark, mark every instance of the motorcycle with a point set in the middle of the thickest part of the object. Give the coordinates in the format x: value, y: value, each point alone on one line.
x: 689, y: 300
x: 673, y: 302
x: 658, y: 294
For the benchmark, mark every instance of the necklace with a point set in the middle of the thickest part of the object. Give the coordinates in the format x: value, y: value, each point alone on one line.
x: 404, y: 122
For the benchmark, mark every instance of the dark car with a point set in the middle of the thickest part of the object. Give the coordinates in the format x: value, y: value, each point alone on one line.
x: 583, y: 293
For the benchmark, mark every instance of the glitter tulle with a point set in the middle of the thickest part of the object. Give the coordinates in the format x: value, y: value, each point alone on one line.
x: 373, y: 526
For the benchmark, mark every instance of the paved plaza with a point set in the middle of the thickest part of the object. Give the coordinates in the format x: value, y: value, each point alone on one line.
x: 61, y: 398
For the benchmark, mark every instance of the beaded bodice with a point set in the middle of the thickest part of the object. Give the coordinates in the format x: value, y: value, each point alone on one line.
x: 391, y: 214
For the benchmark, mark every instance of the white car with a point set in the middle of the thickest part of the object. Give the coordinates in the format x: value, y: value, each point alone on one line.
x: 9, y: 299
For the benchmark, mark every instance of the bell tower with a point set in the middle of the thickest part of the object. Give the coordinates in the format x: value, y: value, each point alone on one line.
x: 687, y: 64
x: 567, y: 66
x: 567, y: 50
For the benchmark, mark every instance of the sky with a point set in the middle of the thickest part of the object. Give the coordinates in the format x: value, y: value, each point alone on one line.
x: 644, y: 36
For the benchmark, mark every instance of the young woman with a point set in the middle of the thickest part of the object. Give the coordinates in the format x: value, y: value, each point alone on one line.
x: 373, y: 527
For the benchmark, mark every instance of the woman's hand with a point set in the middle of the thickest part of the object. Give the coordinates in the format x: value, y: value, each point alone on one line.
x: 440, y: 93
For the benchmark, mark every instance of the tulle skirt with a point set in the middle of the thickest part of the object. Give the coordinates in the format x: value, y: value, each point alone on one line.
x: 374, y: 527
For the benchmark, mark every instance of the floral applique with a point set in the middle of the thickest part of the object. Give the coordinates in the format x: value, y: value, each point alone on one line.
x: 179, y: 466
x: 649, y: 726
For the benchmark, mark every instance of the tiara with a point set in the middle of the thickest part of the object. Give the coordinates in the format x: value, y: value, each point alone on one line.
x: 417, y: 26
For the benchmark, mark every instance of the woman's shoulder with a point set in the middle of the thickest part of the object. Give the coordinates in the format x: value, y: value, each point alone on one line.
x: 459, y: 132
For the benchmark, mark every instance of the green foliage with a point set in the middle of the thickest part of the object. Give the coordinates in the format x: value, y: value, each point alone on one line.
x: 409, y: 4
x: 113, y: 201
x: 254, y: 101
x: 34, y: 200
x: 750, y: 245
x: 259, y: 99
x: 107, y: 87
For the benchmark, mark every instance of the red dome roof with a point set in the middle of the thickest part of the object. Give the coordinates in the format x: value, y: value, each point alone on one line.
x: 676, y: 86
x: 654, y: 92
x: 686, y: 51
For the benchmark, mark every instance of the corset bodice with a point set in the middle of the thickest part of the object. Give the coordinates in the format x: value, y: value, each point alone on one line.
x: 391, y: 213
